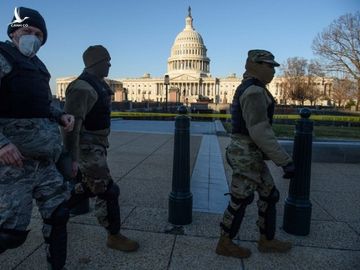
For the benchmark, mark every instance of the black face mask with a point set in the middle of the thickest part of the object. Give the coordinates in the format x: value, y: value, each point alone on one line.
x: 100, y: 69
x: 267, y: 73
x: 262, y: 71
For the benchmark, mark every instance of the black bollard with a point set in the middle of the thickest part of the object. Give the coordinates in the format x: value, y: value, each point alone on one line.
x: 297, y: 210
x: 180, y: 198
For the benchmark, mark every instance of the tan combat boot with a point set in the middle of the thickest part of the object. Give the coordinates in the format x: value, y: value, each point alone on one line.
x: 226, y: 247
x: 274, y: 245
x: 120, y: 242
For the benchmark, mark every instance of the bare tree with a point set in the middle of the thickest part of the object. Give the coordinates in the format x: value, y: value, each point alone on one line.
x: 343, y: 90
x: 314, y: 71
x: 293, y: 70
x: 301, y: 80
x: 315, y: 68
x: 313, y: 92
x: 339, y: 44
x: 285, y: 92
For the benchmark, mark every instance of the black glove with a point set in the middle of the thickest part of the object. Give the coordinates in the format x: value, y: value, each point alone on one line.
x: 289, y: 170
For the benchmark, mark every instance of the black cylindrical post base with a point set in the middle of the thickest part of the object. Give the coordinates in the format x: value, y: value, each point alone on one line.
x: 298, y: 217
x: 180, y: 208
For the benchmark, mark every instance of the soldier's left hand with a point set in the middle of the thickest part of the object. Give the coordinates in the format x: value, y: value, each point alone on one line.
x: 67, y: 121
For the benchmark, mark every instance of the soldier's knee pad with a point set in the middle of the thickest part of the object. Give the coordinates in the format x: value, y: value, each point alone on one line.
x: 237, y: 214
x: 10, y: 238
x: 60, y: 216
x: 270, y: 214
x: 273, y: 197
x: 245, y: 201
x: 112, y: 192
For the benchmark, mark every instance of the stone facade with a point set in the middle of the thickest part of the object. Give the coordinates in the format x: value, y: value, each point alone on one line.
x: 115, y: 85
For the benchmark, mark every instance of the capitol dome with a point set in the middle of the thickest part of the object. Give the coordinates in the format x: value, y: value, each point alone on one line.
x: 188, y: 53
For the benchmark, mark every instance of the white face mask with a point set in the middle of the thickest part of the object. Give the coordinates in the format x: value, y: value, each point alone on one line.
x: 29, y: 45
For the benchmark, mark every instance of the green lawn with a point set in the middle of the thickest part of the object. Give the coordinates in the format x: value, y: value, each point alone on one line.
x: 331, y: 132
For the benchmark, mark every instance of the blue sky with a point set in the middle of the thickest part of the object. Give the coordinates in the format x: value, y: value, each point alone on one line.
x: 139, y: 33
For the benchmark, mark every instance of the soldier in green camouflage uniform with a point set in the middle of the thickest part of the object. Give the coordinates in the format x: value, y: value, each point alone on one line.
x: 252, y: 141
x: 88, y: 98
x: 30, y: 142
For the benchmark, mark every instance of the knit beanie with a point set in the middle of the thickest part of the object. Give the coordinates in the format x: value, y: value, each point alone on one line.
x: 95, y: 54
x: 30, y: 17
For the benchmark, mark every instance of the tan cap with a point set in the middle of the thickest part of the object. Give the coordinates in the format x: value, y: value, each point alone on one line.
x: 260, y: 56
x: 95, y: 54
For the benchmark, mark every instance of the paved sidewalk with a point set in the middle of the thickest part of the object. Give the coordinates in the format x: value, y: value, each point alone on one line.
x: 141, y: 163
x: 208, y: 180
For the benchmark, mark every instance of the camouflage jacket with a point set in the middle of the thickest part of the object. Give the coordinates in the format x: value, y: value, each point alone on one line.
x: 254, y: 103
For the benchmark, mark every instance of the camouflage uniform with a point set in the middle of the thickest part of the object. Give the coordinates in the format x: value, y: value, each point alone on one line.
x: 88, y: 98
x: 253, y: 141
x: 89, y: 149
x: 250, y: 174
x: 39, y: 141
x: 96, y: 178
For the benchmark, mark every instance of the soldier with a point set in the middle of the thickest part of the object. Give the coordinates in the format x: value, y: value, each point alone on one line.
x: 252, y: 141
x: 88, y: 98
x: 30, y: 141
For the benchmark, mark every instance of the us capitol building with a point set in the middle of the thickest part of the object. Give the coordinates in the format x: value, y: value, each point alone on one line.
x: 188, y: 78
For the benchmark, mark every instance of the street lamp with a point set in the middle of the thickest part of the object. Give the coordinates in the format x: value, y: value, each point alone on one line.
x: 166, y: 82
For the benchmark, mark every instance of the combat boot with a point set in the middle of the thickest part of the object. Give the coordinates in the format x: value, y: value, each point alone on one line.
x: 273, y: 245
x: 226, y: 247
x: 120, y: 242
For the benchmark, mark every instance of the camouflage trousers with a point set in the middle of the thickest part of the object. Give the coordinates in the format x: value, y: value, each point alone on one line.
x: 96, y: 178
x: 250, y: 174
x: 37, y: 180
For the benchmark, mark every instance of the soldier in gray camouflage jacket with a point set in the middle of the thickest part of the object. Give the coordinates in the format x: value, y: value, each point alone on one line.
x: 30, y: 142
x: 252, y: 141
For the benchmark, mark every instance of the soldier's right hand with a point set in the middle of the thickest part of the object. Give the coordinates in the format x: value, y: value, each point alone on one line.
x: 10, y: 155
x: 289, y: 170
